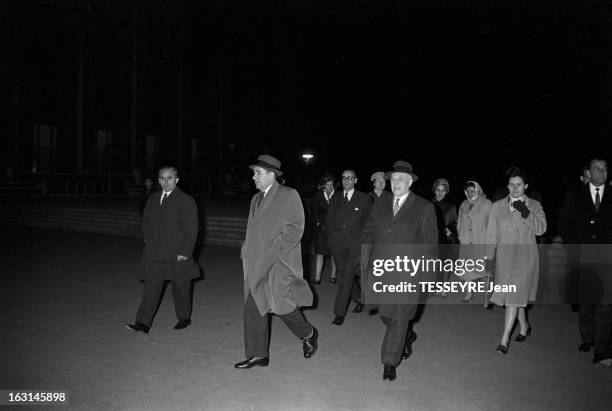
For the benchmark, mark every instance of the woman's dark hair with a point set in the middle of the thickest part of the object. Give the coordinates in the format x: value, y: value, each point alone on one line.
x: 326, y: 178
x: 515, y: 171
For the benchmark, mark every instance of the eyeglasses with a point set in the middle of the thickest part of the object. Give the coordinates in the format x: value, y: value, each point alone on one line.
x: 348, y: 178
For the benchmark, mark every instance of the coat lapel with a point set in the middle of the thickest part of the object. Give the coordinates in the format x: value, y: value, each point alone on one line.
x: 404, y: 207
x: 266, y: 200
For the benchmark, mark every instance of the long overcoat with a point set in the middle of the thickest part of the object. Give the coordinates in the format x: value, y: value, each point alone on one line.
x: 170, y: 229
x: 271, y: 253
x: 511, y: 239
x: 472, y: 231
x: 414, y: 224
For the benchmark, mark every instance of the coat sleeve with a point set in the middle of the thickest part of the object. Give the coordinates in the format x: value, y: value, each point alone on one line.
x: 367, y: 237
x: 189, y: 226
x: 290, y: 233
x: 314, y: 209
x: 567, y: 227
x: 536, y: 220
x: 430, y: 225
x: 146, y: 220
x: 331, y: 216
x: 491, y: 234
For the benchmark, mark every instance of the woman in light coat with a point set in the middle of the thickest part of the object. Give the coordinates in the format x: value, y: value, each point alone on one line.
x: 514, y: 223
x: 472, y: 229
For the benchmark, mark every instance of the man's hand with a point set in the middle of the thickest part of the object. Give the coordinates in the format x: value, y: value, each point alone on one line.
x: 181, y: 258
x: 521, y: 207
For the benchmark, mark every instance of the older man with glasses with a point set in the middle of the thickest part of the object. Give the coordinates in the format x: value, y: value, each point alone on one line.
x: 347, y: 216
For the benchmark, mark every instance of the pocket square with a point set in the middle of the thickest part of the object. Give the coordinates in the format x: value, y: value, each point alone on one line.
x: 356, y: 208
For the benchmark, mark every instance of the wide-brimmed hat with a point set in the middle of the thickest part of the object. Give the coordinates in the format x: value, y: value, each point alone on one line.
x: 268, y: 162
x: 403, y: 167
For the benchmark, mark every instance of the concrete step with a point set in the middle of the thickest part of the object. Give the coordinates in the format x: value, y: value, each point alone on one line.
x: 214, y: 230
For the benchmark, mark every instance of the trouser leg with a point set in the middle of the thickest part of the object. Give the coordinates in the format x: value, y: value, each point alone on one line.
x: 256, y: 330
x: 297, y: 323
x: 394, y: 340
x: 602, y: 335
x: 585, y: 322
x: 151, y: 295
x: 345, y: 286
x: 181, y: 294
x: 356, y: 289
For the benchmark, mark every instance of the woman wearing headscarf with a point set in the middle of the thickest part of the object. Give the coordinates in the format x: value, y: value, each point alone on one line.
x: 446, y: 216
x: 320, y: 207
x: 472, y: 230
x: 514, y: 223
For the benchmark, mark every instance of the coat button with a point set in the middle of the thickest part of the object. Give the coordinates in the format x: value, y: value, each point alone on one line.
x: 593, y: 236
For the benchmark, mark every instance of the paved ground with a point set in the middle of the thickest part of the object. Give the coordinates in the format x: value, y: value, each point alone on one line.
x: 65, y: 297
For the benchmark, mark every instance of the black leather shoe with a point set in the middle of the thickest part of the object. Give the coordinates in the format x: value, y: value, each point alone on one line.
x: 389, y: 373
x: 338, y: 320
x: 585, y: 347
x: 310, y: 344
x: 373, y: 311
x: 182, y: 324
x: 358, y: 308
x: 522, y: 337
x: 138, y: 327
x: 253, y: 362
x: 408, y: 347
x: 502, y: 349
x: 332, y: 280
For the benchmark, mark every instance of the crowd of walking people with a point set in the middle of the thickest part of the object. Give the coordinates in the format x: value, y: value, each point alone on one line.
x: 503, y: 233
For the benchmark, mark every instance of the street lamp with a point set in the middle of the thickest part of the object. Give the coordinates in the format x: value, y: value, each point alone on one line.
x: 307, y: 157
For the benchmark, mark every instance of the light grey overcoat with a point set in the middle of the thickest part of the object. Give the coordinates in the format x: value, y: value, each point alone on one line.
x: 271, y: 253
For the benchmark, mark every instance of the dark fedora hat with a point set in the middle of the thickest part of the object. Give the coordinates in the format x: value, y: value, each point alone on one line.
x: 403, y: 167
x: 268, y: 162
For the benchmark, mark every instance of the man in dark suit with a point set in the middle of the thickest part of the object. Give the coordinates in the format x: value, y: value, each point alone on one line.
x: 170, y: 228
x: 272, y: 263
x: 403, y: 222
x: 348, y: 213
x: 586, y: 219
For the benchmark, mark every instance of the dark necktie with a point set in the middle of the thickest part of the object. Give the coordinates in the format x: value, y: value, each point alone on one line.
x: 346, y: 200
x: 396, y: 206
x: 597, y: 199
x: 163, y: 197
x: 259, y: 200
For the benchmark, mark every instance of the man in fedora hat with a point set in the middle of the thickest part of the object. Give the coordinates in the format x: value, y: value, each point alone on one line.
x: 272, y: 263
x: 402, y: 219
x: 348, y: 213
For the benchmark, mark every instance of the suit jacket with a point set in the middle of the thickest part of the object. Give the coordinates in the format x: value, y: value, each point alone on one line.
x: 346, y: 221
x: 271, y: 253
x: 415, y: 223
x: 579, y: 223
x: 170, y: 229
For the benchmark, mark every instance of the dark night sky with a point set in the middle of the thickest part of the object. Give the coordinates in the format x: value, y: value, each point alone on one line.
x: 461, y: 89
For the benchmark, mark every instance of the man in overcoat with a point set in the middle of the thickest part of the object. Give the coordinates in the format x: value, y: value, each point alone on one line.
x: 272, y: 263
x: 170, y: 228
x: 586, y: 219
x: 348, y: 213
x: 401, y: 221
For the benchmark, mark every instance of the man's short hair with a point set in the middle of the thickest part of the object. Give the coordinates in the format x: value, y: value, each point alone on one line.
x: 597, y: 159
x: 173, y: 169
